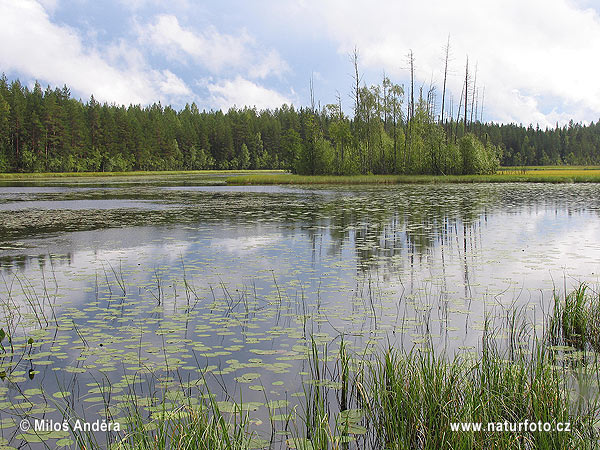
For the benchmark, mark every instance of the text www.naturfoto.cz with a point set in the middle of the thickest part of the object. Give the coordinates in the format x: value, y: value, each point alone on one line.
x: 511, y: 426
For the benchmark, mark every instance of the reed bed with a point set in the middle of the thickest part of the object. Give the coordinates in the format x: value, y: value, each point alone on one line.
x: 421, y: 399
x: 578, y: 176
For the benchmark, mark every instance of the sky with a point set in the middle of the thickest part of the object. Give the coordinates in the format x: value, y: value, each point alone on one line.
x: 536, y: 61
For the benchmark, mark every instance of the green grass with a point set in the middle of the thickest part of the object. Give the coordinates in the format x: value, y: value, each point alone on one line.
x: 144, y: 173
x: 393, y: 399
x: 546, y: 168
x: 532, y: 177
x: 407, y: 400
x: 417, y: 396
x: 535, y: 174
x: 576, y: 319
x: 396, y: 401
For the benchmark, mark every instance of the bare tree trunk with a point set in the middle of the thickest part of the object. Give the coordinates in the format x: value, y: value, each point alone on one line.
x: 473, y: 97
x: 411, y: 106
x: 356, y: 95
x: 412, y: 85
x: 458, y: 114
x: 312, y: 158
x: 395, y: 141
x: 445, y: 78
x: 384, y: 86
x: 466, y: 92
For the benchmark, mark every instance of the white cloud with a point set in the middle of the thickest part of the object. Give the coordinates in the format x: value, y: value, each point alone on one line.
x: 526, y: 51
x: 173, y: 85
x: 214, y: 50
x: 242, y: 92
x: 50, y: 5
x: 38, y: 48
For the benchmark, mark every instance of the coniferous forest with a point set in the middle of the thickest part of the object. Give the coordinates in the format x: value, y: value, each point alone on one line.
x: 390, y: 131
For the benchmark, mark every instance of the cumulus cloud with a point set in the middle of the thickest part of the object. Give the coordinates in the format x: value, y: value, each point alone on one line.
x: 38, y: 48
x: 214, y: 50
x: 240, y: 92
x: 526, y: 51
x: 173, y: 85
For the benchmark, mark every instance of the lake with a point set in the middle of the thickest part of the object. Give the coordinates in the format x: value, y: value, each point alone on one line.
x: 184, y: 281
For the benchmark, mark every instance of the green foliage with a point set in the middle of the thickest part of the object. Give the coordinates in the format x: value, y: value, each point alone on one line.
x: 576, y: 319
x: 47, y: 130
x: 477, y: 158
x: 244, y: 161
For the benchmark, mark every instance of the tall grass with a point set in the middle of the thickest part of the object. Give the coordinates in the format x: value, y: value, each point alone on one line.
x: 137, y: 173
x: 530, y: 177
x: 416, y: 397
x: 576, y: 319
x: 394, y: 399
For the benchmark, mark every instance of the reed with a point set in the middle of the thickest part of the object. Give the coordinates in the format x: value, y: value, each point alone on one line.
x: 527, y: 177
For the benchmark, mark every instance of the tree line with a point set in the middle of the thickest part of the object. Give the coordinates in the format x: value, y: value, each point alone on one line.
x: 47, y: 130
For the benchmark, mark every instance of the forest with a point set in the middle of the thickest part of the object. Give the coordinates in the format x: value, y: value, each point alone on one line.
x: 391, y: 130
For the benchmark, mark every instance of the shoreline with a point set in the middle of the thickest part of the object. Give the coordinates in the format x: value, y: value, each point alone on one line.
x: 563, y: 177
x: 536, y: 174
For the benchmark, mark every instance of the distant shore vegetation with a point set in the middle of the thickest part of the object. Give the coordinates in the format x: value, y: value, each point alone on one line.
x: 50, y: 131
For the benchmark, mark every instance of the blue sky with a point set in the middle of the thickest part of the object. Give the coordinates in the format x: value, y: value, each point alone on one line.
x: 536, y: 60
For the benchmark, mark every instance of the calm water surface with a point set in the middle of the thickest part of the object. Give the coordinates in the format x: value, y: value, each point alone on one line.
x: 115, y: 280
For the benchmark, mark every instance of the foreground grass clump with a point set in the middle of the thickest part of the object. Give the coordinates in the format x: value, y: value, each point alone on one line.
x: 576, y: 319
x: 353, y: 397
x: 577, y: 176
x: 400, y: 401
x: 189, y: 426
x: 416, y: 399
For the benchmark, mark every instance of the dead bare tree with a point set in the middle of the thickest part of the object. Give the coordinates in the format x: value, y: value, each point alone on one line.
x: 445, y: 78
x: 385, y: 86
x: 411, y: 105
x: 458, y: 115
x: 473, y: 96
x: 466, y: 91
x: 356, y: 97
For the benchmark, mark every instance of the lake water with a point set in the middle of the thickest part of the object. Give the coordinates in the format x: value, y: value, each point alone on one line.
x: 225, y: 285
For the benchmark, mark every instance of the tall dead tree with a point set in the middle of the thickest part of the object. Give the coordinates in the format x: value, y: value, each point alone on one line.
x: 466, y: 91
x: 385, y: 87
x: 431, y: 107
x: 458, y: 115
x: 445, y: 78
x: 411, y: 106
x: 473, y: 96
x: 356, y: 98
x: 412, y: 84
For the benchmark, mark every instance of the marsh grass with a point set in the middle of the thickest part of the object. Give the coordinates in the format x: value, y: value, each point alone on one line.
x: 417, y: 396
x: 574, y: 176
x: 576, y: 319
x: 391, y: 399
x: 188, y: 425
x: 408, y: 400
x: 140, y: 173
